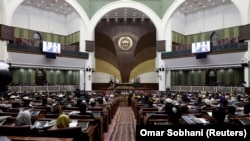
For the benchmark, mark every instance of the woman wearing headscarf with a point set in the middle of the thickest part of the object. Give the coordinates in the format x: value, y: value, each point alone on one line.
x: 62, y: 121
x: 23, y: 118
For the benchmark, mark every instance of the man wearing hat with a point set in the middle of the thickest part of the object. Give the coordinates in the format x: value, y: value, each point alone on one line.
x: 173, y: 111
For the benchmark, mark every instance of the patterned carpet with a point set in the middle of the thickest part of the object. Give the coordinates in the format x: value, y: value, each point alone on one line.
x: 122, y: 127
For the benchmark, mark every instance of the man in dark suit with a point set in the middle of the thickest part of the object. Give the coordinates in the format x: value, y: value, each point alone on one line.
x: 247, y: 107
x: 83, y: 110
x: 5, y: 78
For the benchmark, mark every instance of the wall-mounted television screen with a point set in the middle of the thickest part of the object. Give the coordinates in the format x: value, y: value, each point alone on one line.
x: 201, y: 47
x: 51, y: 47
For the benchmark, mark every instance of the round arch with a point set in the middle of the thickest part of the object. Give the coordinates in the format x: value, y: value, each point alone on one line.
x: 7, y: 14
x: 121, y: 4
x: 1, y: 11
x: 245, y: 19
x: 176, y: 4
x: 81, y: 12
x: 167, y: 16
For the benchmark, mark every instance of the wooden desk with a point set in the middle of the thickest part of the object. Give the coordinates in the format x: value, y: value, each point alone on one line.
x: 89, y: 134
x: 18, y: 138
x: 151, y: 117
x: 241, y: 119
x: 142, y: 113
x: 99, y: 118
x: 161, y: 123
x: 191, y: 119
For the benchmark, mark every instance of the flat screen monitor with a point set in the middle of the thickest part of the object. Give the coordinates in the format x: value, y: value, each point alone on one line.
x: 201, y: 47
x: 51, y: 47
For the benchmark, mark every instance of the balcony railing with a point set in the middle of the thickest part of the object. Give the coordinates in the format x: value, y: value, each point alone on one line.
x: 12, y: 47
x: 209, y: 89
x: 29, y: 89
x: 215, y: 49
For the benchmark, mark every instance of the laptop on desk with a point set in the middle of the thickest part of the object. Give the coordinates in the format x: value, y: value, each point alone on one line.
x: 188, y: 120
x: 43, y: 124
x: 96, y: 114
x: 245, y: 121
x: 34, y: 113
x: 3, y: 119
x: 149, y: 114
x: 161, y: 123
x: 83, y: 124
x: 39, y: 124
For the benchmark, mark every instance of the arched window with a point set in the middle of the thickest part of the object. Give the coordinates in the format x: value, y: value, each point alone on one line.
x: 38, y: 39
x: 214, y: 39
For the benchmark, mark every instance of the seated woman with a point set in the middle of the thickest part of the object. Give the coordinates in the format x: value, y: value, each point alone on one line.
x: 23, y: 118
x: 83, y: 110
x: 62, y: 122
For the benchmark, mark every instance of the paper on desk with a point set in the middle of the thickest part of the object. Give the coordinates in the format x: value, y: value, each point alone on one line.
x: 74, y: 112
x: 73, y: 123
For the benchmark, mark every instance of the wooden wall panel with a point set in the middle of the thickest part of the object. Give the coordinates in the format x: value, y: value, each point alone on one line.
x: 244, y: 32
x: 6, y: 33
x: 160, y: 45
x: 90, y: 46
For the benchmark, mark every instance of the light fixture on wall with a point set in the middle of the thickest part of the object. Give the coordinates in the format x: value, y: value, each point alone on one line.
x: 161, y: 69
x: 244, y: 62
x: 88, y: 69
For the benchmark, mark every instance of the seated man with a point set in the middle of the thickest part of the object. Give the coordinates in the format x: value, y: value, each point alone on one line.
x: 246, y: 107
x: 150, y: 104
x: 219, y: 116
x: 83, y: 110
x: 23, y: 118
x: 14, y: 108
x: 5, y: 79
x: 173, y: 111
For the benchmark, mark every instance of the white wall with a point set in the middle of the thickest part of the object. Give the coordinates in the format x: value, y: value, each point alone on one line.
x: 222, y: 16
x: 149, y: 77
x: 45, y: 20
x: 21, y: 59
x: 228, y: 59
x: 73, y: 23
x: 100, y: 77
x: 177, y: 22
